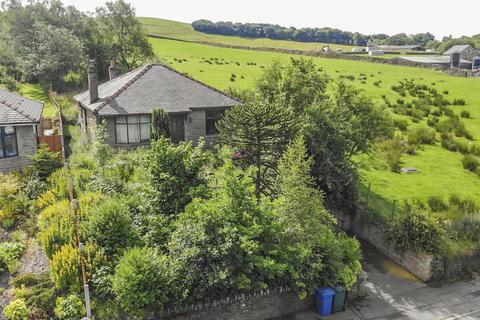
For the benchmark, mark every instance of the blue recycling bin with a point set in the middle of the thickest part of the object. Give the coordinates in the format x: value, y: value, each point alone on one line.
x: 324, y: 301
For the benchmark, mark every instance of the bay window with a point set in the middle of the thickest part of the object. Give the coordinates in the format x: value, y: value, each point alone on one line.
x: 8, y: 142
x: 132, y: 129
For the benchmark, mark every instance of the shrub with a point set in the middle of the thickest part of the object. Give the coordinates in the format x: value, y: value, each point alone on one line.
x: 458, y: 102
x: 421, y: 135
x: 65, y: 268
x: 17, y: 310
x: 470, y: 163
x: 160, y: 126
x: 44, y: 162
x: 111, y: 227
x: 143, y: 281
x: 465, y: 114
x: 393, y: 152
x: 437, y: 204
x: 9, y: 253
x: 69, y: 308
x: 417, y: 229
x: 465, y: 206
x: 401, y: 124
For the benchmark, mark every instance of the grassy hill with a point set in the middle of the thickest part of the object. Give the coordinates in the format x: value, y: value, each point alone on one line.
x: 184, y: 31
x: 440, y: 171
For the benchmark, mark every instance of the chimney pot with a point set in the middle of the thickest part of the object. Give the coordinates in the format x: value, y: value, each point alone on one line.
x: 93, y: 81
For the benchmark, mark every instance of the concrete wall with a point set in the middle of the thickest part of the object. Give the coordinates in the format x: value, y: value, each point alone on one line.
x: 27, y: 146
x: 419, y: 264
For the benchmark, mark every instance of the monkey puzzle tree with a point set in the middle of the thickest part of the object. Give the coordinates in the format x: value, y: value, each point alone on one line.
x: 160, y: 125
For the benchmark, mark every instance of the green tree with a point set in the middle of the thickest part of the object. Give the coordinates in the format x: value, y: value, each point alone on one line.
x: 123, y: 34
x: 111, y: 227
x: 300, y: 82
x: 144, y: 281
x: 176, y: 173
x: 337, y: 130
x: 160, y: 125
x: 259, y: 132
x: 227, y: 243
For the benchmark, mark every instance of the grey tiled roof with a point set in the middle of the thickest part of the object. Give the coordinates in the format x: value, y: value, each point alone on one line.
x: 154, y: 86
x: 16, y: 109
x: 457, y: 48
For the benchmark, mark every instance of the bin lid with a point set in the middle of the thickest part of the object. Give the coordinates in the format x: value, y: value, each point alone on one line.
x: 325, y: 292
x: 339, y: 288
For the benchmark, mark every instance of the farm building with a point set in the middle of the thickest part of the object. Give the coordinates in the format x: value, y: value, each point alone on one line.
x: 467, y: 52
x: 376, y: 53
x: 359, y: 49
x: 393, y: 48
x: 19, y: 127
x: 441, y: 61
x: 127, y: 102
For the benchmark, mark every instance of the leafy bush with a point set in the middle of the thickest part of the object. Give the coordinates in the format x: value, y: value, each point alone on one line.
x: 9, y: 253
x: 437, y: 204
x: 401, y: 124
x: 458, y: 102
x: 44, y: 162
x: 111, y: 227
x: 470, y: 163
x: 421, y: 135
x: 465, y: 114
x: 144, y: 281
x: 176, y: 171
x: 393, y: 152
x: 65, y: 268
x: 417, y: 229
x: 69, y: 308
x: 17, y: 310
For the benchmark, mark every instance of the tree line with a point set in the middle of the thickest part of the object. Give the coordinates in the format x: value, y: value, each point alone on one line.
x: 49, y: 43
x: 325, y: 35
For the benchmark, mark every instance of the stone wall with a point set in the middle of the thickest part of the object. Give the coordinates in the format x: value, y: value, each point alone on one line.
x: 419, y: 264
x: 27, y: 146
x: 195, y: 125
x: 260, y: 306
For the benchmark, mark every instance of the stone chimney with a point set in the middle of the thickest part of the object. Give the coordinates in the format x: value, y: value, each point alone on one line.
x: 112, y: 70
x: 93, y: 81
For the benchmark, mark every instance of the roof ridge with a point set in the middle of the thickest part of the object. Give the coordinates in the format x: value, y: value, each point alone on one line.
x: 107, y: 100
x: 8, y: 105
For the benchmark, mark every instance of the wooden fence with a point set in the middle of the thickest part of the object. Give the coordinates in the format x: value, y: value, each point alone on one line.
x: 54, y: 142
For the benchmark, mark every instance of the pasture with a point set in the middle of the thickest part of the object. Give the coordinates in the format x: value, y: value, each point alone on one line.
x: 185, y: 32
x: 440, y: 171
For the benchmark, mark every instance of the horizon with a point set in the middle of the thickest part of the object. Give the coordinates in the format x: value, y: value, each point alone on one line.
x: 367, y: 17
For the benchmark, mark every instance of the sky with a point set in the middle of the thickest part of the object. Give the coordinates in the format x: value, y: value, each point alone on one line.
x: 439, y: 17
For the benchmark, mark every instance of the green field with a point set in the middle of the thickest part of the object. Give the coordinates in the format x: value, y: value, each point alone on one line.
x: 184, y: 31
x: 440, y: 170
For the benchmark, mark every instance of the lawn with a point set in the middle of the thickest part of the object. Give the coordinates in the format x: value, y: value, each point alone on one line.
x: 184, y: 31
x: 38, y: 93
x: 440, y: 171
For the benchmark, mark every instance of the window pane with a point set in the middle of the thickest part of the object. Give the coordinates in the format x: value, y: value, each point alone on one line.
x: 9, y: 130
x: 133, y: 132
x: 145, y: 132
x: 121, y: 119
x: 133, y: 119
x: 145, y: 119
x: 10, y: 145
x: 122, y: 136
x: 1, y: 145
x: 211, y: 129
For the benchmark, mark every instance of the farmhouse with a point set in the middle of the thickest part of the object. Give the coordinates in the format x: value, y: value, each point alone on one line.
x: 19, y: 126
x: 394, y: 48
x: 467, y: 52
x: 126, y: 103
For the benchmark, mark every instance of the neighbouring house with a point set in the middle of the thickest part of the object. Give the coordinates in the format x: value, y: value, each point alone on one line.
x: 359, y: 49
x: 467, y: 52
x: 19, y: 129
x: 126, y: 103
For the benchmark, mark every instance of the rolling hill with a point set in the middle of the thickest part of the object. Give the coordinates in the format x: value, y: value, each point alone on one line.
x: 184, y: 31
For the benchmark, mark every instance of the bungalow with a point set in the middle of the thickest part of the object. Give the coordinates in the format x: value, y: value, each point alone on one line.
x: 19, y: 128
x: 126, y: 103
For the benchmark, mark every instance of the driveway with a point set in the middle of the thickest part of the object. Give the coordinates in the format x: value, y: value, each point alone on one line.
x: 395, y: 294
